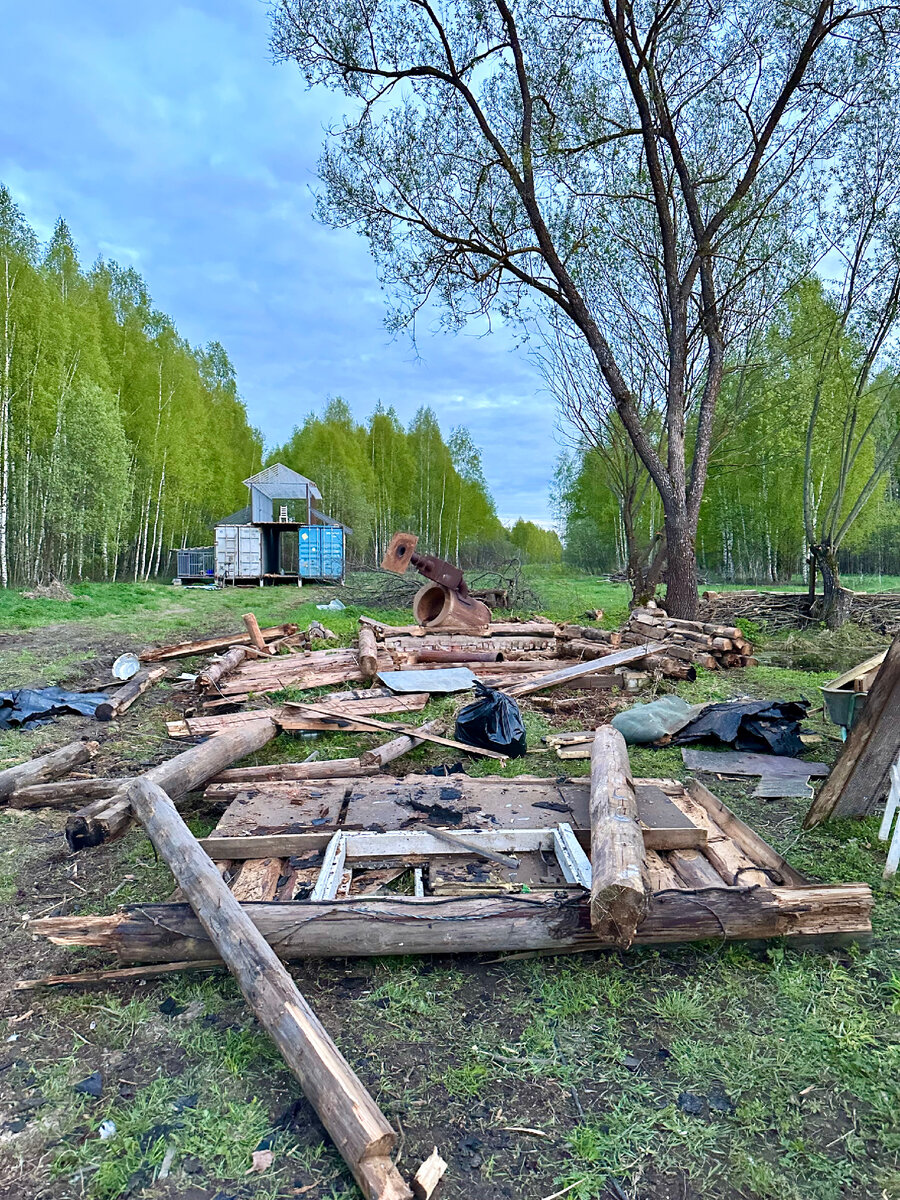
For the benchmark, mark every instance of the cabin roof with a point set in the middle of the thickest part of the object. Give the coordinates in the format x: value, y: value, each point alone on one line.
x: 279, y: 482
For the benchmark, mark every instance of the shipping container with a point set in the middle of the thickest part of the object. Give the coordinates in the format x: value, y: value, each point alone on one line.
x: 320, y: 552
x: 238, y: 552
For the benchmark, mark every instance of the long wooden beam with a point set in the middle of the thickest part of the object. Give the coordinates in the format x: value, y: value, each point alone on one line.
x: 620, y: 885
x: 617, y: 659
x: 357, y: 1126
x: 448, y: 925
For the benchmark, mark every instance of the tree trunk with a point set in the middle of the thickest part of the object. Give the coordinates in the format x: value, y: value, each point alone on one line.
x: 681, y: 568
x: 836, y: 600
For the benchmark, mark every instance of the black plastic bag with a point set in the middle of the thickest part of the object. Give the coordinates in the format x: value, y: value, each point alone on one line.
x: 493, y: 722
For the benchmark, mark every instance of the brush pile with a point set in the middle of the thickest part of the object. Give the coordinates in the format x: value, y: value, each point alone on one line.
x: 878, y: 611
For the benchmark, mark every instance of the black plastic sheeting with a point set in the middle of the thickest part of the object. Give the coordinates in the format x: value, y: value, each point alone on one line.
x: 36, y: 706
x: 761, y: 726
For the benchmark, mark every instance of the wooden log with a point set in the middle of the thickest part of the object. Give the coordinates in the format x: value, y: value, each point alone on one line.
x: 456, y: 656
x: 603, y: 665
x: 110, y: 710
x: 368, y: 652
x: 65, y: 791
x: 620, y: 888
x: 211, y: 645
x: 46, y: 768
x: 662, y: 875
x: 611, y: 637
x: 330, y: 768
x: 253, y: 630
x: 358, y: 1128
x: 581, y: 648
x: 858, y: 779
x: 103, y: 820
x: 378, y: 926
x: 423, y: 734
x: 380, y: 756
x: 694, y: 869
x: 230, y: 661
x: 671, y: 668
x: 428, y: 1176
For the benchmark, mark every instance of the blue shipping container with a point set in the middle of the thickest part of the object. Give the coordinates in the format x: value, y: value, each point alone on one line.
x: 321, y: 552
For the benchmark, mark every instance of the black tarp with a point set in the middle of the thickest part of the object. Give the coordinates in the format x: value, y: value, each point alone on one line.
x: 761, y: 726
x: 36, y: 706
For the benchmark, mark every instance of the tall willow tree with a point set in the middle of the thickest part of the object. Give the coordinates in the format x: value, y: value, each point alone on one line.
x: 118, y: 440
x: 626, y: 166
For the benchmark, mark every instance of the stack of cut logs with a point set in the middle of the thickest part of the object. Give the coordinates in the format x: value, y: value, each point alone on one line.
x: 714, y: 647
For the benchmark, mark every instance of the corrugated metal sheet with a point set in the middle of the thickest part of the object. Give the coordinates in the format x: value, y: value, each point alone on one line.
x: 321, y: 552
x: 238, y: 552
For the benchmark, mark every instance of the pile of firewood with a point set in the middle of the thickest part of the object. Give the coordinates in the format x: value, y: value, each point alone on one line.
x: 879, y: 611
x: 702, y: 643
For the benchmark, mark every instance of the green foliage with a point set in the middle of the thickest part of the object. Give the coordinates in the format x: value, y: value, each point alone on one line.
x: 751, y: 522
x: 117, y: 438
x: 382, y: 478
x: 536, y: 545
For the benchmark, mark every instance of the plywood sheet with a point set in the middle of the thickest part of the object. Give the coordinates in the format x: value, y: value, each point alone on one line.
x: 301, y: 806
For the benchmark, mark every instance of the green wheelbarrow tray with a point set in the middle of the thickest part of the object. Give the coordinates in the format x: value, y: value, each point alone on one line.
x: 843, y: 705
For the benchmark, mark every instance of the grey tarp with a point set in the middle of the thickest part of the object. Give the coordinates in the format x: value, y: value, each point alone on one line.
x: 34, y: 706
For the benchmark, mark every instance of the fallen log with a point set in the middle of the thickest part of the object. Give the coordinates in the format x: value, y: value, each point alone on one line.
x: 368, y: 652
x: 333, y: 768
x: 421, y: 733
x: 229, y: 662
x: 105, y: 819
x: 382, y: 755
x: 110, y: 710
x: 358, y: 1128
x: 211, y: 645
x: 488, y: 924
x: 620, y: 886
x: 64, y: 791
x: 47, y: 767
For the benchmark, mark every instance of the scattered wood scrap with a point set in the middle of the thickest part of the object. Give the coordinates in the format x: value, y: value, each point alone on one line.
x: 212, y: 645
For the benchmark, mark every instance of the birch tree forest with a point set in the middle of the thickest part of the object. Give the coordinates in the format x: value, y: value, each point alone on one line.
x: 118, y: 440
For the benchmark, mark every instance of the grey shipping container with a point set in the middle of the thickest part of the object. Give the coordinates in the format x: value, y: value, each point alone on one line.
x: 238, y: 552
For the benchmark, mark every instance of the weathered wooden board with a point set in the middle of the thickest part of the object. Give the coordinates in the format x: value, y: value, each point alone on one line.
x: 295, y: 806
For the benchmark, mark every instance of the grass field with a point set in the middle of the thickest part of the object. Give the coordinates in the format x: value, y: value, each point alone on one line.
x: 708, y: 1071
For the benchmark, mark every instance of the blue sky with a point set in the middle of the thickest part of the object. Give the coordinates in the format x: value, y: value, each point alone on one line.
x: 169, y: 141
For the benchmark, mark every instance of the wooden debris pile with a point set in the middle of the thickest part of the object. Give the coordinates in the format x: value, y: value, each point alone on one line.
x: 703, y: 643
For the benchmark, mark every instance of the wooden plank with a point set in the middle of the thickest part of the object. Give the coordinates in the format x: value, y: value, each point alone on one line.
x: 694, y: 869
x: 859, y: 776
x: 47, y: 767
x: 378, y: 926
x: 858, y: 672
x: 601, y: 665
x: 747, y: 839
x: 359, y: 1130
x: 620, y: 889
x: 423, y: 735
x: 211, y: 645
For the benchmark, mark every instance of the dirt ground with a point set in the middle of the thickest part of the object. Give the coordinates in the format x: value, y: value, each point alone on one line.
x: 708, y: 1071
